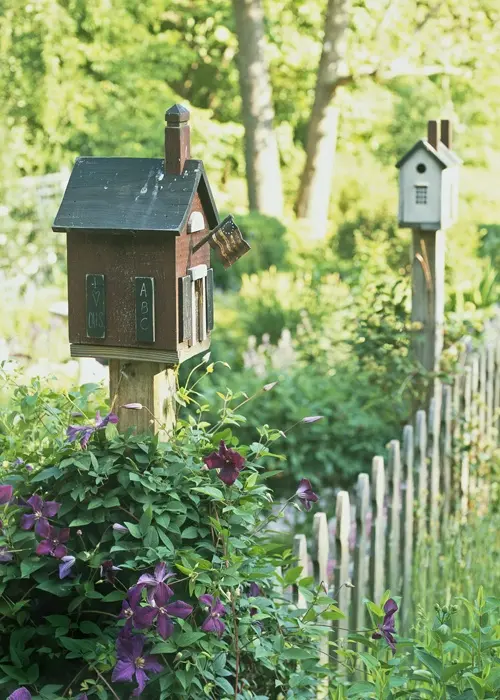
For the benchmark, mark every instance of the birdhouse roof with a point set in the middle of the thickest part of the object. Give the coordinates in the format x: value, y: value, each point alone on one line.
x: 443, y: 155
x: 133, y: 194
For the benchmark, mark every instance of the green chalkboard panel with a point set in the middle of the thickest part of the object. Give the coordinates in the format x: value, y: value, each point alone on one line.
x: 95, y: 294
x: 145, y: 309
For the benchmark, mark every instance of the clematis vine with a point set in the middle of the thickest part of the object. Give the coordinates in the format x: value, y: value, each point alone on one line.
x: 53, y: 542
x: 387, y: 628
x: 305, y: 494
x: 83, y: 433
x: 153, y: 582
x: 228, y: 461
x: 65, y: 567
x: 132, y: 662
x: 216, y: 610
x: 6, y: 492
x: 41, y: 511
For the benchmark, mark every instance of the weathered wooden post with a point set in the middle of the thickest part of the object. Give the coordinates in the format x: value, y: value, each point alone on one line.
x: 428, y: 202
x: 140, y: 286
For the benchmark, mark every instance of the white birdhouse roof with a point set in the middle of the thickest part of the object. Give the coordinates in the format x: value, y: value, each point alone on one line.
x: 442, y: 155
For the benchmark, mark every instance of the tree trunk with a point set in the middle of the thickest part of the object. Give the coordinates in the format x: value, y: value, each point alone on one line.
x: 265, y: 191
x: 316, y: 180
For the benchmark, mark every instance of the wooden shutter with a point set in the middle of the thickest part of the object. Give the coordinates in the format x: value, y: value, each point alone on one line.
x: 186, y: 308
x: 210, y: 299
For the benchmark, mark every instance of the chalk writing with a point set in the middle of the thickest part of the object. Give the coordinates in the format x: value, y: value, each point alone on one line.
x: 145, y: 309
x: 95, y: 288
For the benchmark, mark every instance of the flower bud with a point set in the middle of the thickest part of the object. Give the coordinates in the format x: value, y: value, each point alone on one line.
x: 79, y: 533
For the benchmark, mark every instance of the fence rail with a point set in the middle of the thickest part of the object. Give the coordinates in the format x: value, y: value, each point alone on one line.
x: 398, y: 515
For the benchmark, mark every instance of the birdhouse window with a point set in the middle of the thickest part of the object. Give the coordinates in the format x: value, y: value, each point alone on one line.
x: 197, y: 304
x: 421, y: 194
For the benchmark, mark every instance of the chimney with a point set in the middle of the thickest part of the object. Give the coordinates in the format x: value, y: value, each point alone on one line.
x: 446, y: 133
x: 433, y: 133
x: 177, y: 139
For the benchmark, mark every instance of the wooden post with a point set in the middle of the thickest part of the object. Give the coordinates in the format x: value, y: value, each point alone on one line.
x: 408, y: 515
x: 394, y: 518
x: 150, y: 384
x: 427, y: 311
x: 377, y: 552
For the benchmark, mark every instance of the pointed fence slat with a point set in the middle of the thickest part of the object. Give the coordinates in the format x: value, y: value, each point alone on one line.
x: 482, y: 395
x: 342, y: 591
x: 457, y: 431
x: 421, y: 470
x: 394, y: 517
x: 474, y: 426
x: 408, y: 506
x: 377, y: 549
x: 434, y: 454
x: 300, y: 553
x: 361, y: 570
x: 466, y: 436
x: 320, y: 551
x: 490, y: 393
x: 446, y: 452
x: 496, y: 399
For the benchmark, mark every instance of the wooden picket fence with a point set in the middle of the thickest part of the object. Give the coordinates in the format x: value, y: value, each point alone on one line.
x: 400, y: 513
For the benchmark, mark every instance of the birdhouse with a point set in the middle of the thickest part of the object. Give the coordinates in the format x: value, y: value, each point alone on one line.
x: 140, y: 285
x: 428, y: 181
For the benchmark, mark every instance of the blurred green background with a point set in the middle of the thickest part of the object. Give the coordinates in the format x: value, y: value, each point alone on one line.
x: 327, y: 315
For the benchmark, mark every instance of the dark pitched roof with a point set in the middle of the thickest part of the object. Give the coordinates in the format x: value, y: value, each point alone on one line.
x: 442, y: 155
x: 132, y: 194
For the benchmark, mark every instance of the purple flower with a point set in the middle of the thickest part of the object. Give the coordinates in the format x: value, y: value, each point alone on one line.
x: 41, y: 511
x: 66, y: 566
x: 108, y: 570
x: 53, y: 542
x: 20, y: 694
x: 166, y: 612
x: 5, y: 494
x: 103, y: 422
x: 254, y: 592
x: 135, y: 615
x: 83, y: 433
x: 387, y: 628
x: 132, y: 662
x: 5, y: 555
x: 228, y: 461
x: 18, y: 462
x: 119, y: 528
x: 311, y: 419
x: 305, y: 494
x: 216, y: 610
x: 154, y: 582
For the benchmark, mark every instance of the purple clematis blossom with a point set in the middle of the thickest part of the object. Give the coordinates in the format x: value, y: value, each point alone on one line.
x: 5, y: 555
x: 228, y: 461
x: 6, y: 492
x: 154, y: 582
x: 41, y: 511
x: 387, y: 628
x: 130, y: 610
x: 83, y: 433
x: 119, y: 528
x: 216, y: 610
x: 108, y: 570
x: 305, y: 494
x: 254, y: 591
x: 53, y: 542
x: 20, y: 694
x: 131, y: 662
x: 65, y: 568
x: 18, y: 462
x: 166, y: 611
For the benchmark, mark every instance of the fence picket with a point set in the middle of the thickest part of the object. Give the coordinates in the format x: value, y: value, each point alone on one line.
x: 320, y: 550
x: 490, y: 390
x: 394, y: 517
x: 300, y: 553
x: 482, y: 395
x: 466, y: 437
x: 408, y: 455
x: 434, y: 454
x: 457, y: 431
x: 342, y: 583
x: 496, y: 400
x: 377, y: 558
x: 446, y: 454
x: 361, y: 554
x: 421, y: 469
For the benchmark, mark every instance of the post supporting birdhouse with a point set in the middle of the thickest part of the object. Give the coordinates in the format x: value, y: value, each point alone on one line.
x: 427, y: 307
x: 148, y: 389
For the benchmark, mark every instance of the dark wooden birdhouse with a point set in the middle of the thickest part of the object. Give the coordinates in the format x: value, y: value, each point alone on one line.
x: 140, y: 286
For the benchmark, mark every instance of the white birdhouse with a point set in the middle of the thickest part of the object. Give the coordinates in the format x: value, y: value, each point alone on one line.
x: 428, y: 181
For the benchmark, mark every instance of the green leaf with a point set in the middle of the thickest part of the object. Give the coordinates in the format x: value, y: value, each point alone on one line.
x: 134, y: 530
x: 145, y: 520
x: 434, y: 665
x: 167, y: 647
x: 363, y: 689
x: 292, y: 575
x: 210, y: 491
x: 477, y: 685
x: 369, y: 661
x: 30, y: 565
x: 114, y: 596
x: 225, y: 686
x: 449, y: 671
x: 88, y: 627
x: 251, y: 481
x: 58, y: 620
x: 190, y: 533
x: 78, y: 522
x: 187, y: 638
x: 49, y: 473
x: 298, y: 654
x: 151, y: 539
